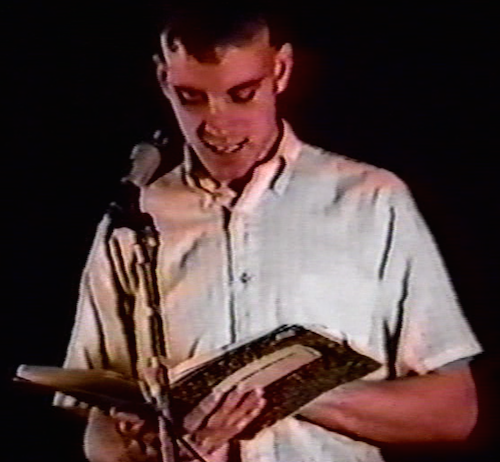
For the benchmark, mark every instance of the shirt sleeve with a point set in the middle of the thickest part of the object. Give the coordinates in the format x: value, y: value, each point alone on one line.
x: 429, y: 329
x: 100, y: 337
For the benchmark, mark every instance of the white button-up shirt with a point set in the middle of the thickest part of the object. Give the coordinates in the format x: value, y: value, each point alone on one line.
x: 314, y: 238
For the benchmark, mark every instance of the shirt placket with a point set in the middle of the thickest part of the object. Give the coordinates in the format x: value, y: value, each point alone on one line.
x: 240, y: 274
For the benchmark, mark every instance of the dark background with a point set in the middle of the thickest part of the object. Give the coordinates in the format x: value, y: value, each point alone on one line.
x: 409, y: 88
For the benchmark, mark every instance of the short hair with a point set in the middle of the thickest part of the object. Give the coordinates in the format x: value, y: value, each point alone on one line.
x: 202, y: 27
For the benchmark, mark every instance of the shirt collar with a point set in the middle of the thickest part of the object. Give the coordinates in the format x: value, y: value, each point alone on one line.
x: 287, y: 153
x: 288, y: 150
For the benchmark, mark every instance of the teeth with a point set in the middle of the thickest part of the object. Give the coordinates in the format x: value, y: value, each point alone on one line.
x: 225, y: 149
x: 230, y: 150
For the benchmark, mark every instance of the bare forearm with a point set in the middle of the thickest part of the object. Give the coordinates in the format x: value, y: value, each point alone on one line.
x: 438, y: 407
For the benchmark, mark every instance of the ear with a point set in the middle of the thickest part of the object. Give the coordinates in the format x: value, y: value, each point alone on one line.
x: 162, y: 74
x: 283, y: 65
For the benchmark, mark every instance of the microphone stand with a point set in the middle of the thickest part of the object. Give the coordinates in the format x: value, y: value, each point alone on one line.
x: 156, y: 388
x: 158, y: 383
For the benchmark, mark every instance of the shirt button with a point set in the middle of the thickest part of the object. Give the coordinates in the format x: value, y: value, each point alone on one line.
x: 245, y: 277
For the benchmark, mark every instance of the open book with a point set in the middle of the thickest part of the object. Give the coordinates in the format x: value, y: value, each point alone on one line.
x: 293, y: 364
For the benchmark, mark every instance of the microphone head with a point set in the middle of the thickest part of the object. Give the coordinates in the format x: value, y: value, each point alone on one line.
x: 146, y: 159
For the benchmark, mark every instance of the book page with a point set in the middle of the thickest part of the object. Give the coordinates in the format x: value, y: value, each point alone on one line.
x: 270, y: 368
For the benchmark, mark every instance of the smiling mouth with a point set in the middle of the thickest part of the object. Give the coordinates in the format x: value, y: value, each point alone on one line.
x: 224, y: 149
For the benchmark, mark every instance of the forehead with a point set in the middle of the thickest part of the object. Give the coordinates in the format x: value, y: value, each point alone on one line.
x: 235, y: 64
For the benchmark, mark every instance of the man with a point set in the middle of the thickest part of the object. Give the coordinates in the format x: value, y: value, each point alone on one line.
x: 258, y: 229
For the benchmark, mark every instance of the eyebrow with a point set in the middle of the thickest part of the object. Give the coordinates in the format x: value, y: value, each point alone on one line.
x: 236, y: 88
x: 248, y: 83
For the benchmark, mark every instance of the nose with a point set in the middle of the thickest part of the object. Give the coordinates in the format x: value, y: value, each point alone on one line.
x: 217, y: 106
x: 220, y: 116
x: 215, y: 129
x: 217, y: 120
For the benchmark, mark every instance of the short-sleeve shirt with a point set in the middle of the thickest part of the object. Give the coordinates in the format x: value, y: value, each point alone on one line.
x: 315, y: 238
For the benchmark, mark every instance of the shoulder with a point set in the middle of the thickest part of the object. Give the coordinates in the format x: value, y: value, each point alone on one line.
x: 170, y: 184
x: 350, y: 176
x: 170, y: 179
x: 170, y: 195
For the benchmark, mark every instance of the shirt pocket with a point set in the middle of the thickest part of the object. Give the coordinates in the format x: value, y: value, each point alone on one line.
x: 341, y: 300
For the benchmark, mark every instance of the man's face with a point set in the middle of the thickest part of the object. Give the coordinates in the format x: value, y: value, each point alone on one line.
x: 227, y: 109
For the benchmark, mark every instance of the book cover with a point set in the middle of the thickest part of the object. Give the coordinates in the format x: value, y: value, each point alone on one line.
x: 293, y: 364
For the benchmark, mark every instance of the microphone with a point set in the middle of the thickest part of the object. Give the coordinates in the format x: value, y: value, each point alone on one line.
x: 125, y: 210
x: 146, y: 159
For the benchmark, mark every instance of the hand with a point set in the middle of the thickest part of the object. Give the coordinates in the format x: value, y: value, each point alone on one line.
x: 140, y: 436
x: 119, y: 437
x: 220, y: 417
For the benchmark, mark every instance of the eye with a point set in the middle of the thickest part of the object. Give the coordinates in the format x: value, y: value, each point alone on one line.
x: 244, y: 95
x: 191, y: 97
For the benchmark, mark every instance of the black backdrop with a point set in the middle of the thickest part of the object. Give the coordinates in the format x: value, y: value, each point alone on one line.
x: 409, y: 88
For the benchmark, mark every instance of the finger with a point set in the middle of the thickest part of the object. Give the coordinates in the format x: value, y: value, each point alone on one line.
x: 240, y: 404
x: 129, y: 427
x: 210, y: 404
x: 248, y: 397
x: 231, y: 399
x: 220, y: 417
x: 219, y: 454
x: 203, y: 447
x: 138, y: 452
x: 198, y: 415
x: 151, y: 439
x: 152, y: 453
x: 126, y: 416
x: 235, y: 414
x: 219, y: 431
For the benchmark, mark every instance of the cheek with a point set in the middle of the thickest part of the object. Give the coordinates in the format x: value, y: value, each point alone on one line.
x: 261, y: 120
x: 188, y: 120
x: 260, y: 115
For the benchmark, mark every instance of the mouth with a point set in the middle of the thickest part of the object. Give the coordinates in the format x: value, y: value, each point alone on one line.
x: 225, y: 148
